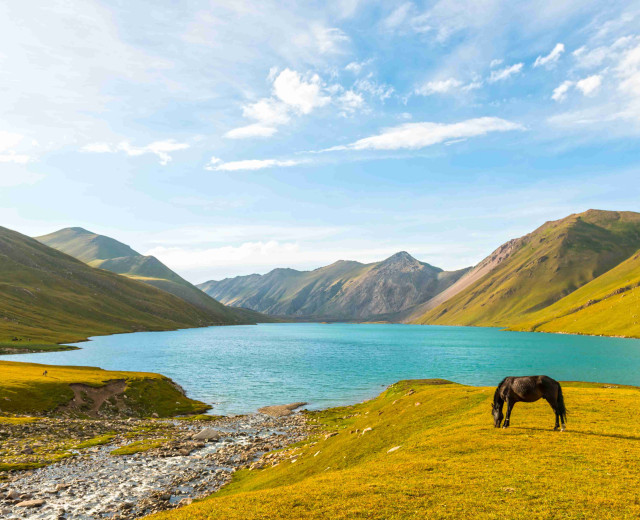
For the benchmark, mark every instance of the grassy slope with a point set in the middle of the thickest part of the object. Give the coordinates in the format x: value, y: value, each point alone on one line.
x: 608, y: 305
x: 545, y: 266
x: 451, y: 462
x: 49, y: 297
x: 25, y: 390
x: 106, y: 253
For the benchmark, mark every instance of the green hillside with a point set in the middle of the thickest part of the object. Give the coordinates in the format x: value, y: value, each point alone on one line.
x: 428, y: 450
x: 542, y: 268
x: 344, y: 290
x: 49, y: 297
x: 608, y: 305
x: 107, y: 253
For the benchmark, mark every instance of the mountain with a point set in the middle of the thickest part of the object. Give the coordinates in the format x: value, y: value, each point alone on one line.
x: 535, y: 271
x: 608, y: 305
x: 49, y: 296
x: 107, y: 253
x: 344, y: 290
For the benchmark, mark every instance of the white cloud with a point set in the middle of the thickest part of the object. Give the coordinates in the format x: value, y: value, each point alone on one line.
x: 357, y: 66
x: 507, y: 72
x: 438, y: 87
x: 495, y: 63
x: 8, y: 142
x: 303, y: 95
x: 329, y: 40
x: 161, y: 149
x: 550, y: 58
x: 12, y: 157
x: 419, y: 135
x: 560, y: 92
x: 381, y: 91
x: 350, y: 101
x: 254, y: 130
x: 268, y: 111
x: 249, y: 164
x: 590, y: 85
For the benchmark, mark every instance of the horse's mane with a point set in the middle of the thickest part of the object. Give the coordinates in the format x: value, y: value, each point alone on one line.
x: 496, y: 396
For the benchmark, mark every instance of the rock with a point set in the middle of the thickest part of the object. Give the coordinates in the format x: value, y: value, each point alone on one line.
x: 395, y: 448
x: 329, y: 435
x: 13, y: 494
x: 27, y: 451
x: 31, y: 503
x: 281, y: 410
x: 208, y: 434
x: 368, y: 429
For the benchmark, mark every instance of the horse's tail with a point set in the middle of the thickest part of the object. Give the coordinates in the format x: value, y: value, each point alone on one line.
x: 562, y: 410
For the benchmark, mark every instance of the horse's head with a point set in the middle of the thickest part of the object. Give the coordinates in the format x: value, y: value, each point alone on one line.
x: 496, y: 411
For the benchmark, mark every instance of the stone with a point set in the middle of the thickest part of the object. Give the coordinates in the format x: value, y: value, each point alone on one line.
x: 208, y: 434
x: 395, y: 448
x: 12, y: 494
x: 31, y: 503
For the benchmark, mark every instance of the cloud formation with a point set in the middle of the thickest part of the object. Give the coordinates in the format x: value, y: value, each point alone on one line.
x: 550, y: 58
x: 216, y: 164
x: 413, y: 136
x: 507, y: 72
x: 8, y: 143
x: 161, y: 149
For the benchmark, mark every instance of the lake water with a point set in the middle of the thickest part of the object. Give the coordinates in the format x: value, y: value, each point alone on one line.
x: 238, y: 369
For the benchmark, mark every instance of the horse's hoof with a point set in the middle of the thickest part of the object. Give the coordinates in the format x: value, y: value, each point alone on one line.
x: 562, y: 429
x: 556, y: 429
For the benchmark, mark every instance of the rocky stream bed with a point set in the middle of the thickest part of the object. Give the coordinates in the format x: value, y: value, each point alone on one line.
x: 183, y: 461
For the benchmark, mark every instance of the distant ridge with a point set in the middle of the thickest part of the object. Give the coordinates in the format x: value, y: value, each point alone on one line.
x: 107, y: 253
x: 49, y: 296
x: 344, y: 290
x: 527, y: 275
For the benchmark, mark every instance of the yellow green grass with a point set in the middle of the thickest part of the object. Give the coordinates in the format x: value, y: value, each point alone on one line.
x: 545, y: 266
x: 138, y: 446
x: 450, y: 461
x: 608, y: 305
x: 26, y: 390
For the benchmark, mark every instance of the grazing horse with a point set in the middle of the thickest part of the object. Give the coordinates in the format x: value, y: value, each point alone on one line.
x: 527, y: 389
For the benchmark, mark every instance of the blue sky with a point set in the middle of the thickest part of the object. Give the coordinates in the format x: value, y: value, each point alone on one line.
x: 231, y: 137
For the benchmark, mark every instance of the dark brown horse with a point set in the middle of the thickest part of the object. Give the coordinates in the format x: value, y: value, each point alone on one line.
x: 527, y: 390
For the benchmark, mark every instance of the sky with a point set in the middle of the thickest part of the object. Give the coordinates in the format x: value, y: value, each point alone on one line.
x: 233, y: 137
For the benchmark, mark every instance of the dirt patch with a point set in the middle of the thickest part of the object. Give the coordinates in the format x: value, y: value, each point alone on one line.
x: 88, y: 400
x: 280, y: 410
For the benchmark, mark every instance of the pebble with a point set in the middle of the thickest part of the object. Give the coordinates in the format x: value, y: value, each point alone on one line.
x: 95, y: 484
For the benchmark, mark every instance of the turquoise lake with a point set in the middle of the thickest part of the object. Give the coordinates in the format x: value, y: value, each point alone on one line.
x: 238, y: 369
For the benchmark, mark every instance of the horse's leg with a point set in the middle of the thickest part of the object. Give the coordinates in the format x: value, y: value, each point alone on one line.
x: 507, y: 420
x: 554, y: 405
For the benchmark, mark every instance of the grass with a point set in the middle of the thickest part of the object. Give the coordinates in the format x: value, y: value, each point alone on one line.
x: 98, y: 440
x: 449, y: 462
x: 21, y: 347
x: 138, y: 447
x: 26, y: 390
x: 546, y: 265
x: 608, y: 305
x: 48, y: 297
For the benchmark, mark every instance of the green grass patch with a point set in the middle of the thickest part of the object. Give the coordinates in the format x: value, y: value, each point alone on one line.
x: 27, y: 390
x: 99, y: 440
x: 138, y: 447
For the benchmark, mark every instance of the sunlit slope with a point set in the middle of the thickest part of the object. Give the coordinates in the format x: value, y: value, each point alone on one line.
x: 608, y: 305
x: 424, y: 450
x: 48, y: 296
x: 344, y: 290
x: 543, y: 267
x: 26, y: 390
x: 106, y: 253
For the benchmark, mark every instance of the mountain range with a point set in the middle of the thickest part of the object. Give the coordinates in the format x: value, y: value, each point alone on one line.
x: 104, y: 252
x: 344, y: 290
x: 579, y: 274
x: 49, y: 296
